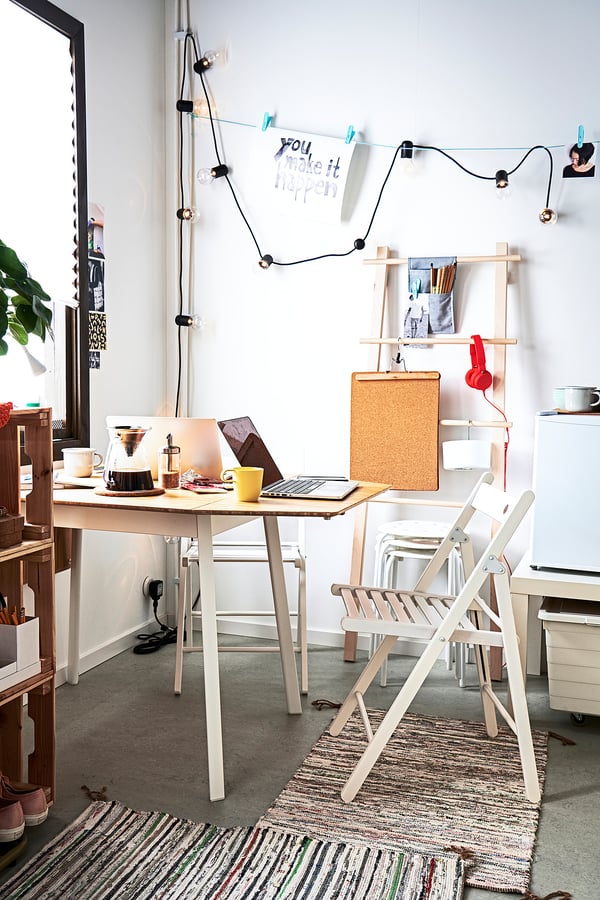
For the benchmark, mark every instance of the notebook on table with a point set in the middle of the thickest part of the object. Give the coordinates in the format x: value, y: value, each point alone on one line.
x: 250, y: 450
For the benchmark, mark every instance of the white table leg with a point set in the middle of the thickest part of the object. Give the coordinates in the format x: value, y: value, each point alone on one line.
x: 282, y: 615
x: 212, y: 689
x: 74, y: 608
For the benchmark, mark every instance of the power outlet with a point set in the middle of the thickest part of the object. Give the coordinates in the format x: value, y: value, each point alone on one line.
x: 152, y: 588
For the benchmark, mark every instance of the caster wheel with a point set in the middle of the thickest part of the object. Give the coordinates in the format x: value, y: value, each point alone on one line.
x: 577, y: 718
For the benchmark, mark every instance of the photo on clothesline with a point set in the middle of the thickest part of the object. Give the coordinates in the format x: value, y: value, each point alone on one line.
x: 581, y: 162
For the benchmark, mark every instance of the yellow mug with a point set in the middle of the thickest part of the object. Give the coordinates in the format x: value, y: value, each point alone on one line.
x: 247, y: 482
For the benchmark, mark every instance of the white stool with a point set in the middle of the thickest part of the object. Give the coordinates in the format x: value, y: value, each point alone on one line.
x: 235, y: 551
x: 416, y: 539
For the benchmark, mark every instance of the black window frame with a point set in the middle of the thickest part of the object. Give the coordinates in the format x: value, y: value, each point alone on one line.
x: 75, y: 430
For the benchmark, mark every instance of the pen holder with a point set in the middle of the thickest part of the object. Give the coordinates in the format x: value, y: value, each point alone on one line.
x: 431, y: 307
x: 21, y: 643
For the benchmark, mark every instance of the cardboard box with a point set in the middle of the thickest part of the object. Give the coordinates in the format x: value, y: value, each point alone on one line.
x: 572, y: 630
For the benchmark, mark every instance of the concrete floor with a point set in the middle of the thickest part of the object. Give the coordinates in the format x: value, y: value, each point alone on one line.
x: 121, y: 728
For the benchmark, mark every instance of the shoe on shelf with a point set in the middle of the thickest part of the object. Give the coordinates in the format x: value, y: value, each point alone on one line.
x: 31, y: 797
x: 12, y: 820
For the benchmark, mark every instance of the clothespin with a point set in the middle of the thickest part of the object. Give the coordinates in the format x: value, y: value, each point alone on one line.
x: 580, y: 136
x: 267, y: 119
x: 350, y: 134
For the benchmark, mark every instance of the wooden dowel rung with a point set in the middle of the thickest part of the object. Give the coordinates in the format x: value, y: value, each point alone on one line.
x: 455, y: 340
x: 390, y: 261
x: 469, y: 423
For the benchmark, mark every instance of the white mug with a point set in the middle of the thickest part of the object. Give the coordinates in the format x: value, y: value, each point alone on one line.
x: 80, y: 462
x: 580, y: 399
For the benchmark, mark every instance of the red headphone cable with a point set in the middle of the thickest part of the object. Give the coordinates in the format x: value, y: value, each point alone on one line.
x: 507, y: 439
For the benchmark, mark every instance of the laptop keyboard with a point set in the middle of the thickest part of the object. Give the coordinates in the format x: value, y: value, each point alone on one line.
x: 298, y: 486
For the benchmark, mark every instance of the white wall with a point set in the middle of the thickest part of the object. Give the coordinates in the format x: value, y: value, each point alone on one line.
x: 124, y: 54
x: 482, y: 82
x: 280, y: 345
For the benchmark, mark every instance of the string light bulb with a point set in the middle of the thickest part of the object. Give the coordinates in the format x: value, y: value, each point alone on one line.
x: 548, y: 216
x: 196, y: 322
x: 208, y: 60
x: 502, y: 185
x: 198, y: 107
x: 188, y: 214
x: 406, y: 155
x: 206, y: 176
x: 265, y: 261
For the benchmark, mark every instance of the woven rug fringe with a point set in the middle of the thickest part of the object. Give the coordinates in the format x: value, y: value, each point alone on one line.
x: 560, y: 737
x: 463, y: 852
x: 554, y: 895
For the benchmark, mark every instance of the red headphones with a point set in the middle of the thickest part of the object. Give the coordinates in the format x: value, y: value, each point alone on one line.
x: 478, y: 376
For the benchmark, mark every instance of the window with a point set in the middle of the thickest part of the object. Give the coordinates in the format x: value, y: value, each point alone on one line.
x: 43, y: 213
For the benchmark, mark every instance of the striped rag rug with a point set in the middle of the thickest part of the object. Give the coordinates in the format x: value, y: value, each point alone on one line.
x: 439, y: 784
x: 111, y: 851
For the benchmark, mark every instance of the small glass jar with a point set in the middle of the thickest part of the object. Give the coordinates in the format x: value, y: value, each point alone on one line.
x: 169, y: 465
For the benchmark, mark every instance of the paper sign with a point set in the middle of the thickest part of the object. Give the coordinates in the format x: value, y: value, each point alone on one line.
x: 303, y: 175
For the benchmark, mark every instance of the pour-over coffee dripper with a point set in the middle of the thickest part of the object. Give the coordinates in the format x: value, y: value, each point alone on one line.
x: 126, y: 468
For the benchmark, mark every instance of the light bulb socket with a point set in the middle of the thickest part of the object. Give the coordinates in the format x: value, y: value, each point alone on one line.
x: 548, y: 216
x: 265, y: 261
x: 187, y: 214
x: 219, y: 171
x: 406, y: 150
x: 359, y: 244
x: 185, y: 106
x: 501, y: 179
x: 202, y: 65
x: 184, y: 321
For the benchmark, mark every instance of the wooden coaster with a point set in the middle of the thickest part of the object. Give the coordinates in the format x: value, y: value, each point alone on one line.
x: 152, y: 492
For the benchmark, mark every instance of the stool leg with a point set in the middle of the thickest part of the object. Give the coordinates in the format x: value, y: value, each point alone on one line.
x: 181, y: 594
x: 301, y: 628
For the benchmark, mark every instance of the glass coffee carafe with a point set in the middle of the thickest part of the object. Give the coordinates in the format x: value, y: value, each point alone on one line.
x: 126, y: 467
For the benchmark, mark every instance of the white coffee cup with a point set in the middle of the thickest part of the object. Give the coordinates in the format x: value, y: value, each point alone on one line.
x: 558, y: 397
x: 80, y: 462
x: 581, y: 399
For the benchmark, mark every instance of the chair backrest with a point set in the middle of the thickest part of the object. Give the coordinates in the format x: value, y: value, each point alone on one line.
x: 504, y: 513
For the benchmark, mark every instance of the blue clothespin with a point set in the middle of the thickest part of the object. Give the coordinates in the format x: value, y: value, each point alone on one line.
x: 580, y: 136
x: 350, y: 134
x: 267, y: 119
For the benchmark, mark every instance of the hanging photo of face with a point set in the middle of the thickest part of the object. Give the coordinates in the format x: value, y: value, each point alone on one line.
x: 581, y: 161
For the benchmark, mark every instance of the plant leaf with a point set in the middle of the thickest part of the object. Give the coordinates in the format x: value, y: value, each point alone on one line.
x: 18, y: 333
x: 41, y: 311
x: 10, y: 262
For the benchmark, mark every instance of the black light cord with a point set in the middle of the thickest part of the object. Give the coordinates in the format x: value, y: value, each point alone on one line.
x: 180, y: 231
x: 216, y: 147
x: 493, y: 177
x: 359, y: 243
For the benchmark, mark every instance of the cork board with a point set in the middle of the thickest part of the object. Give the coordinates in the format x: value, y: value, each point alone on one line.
x: 394, y: 429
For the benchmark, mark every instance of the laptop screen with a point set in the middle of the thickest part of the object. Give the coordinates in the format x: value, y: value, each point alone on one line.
x: 249, y: 448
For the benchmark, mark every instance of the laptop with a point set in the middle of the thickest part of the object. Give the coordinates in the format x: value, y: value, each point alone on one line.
x: 198, y: 439
x: 250, y: 450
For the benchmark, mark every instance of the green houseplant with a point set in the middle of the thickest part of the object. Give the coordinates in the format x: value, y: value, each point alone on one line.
x: 23, y: 309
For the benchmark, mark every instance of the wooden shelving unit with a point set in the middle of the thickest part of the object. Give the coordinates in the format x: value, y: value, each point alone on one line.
x: 30, y: 563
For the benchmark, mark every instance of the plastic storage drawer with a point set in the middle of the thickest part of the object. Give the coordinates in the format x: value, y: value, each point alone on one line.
x: 572, y: 630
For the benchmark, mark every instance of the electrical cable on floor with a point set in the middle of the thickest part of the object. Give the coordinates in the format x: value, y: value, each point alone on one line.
x: 151, y: 642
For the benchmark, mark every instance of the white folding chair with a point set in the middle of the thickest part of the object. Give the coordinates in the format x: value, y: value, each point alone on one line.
x: 442, y: 618
x: 239, y: 551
